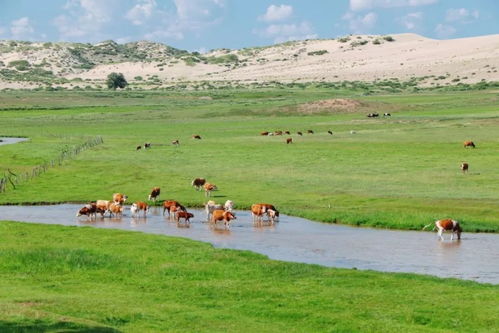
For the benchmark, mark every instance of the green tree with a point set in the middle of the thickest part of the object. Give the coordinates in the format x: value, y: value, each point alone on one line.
x: 116, y: 80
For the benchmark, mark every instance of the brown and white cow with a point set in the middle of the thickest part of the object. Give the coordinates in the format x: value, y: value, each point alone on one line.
x: 168, y: 204
x: 447, y: 225
x: 464, y: 167
x: 198, y: 137
x: 115, y: 209
x: 89, y: 210
x: 103, y: 206
x: 119, y: 198
x: 176, y: 142
x: 183, y: 215
x: 261, y: 209
x: 229, y: 205
x: 139, y: 206
x: 156, y: 191
x: 198, y: 183
x: 208, y: 188
x: 210, y: 207
x: 468, y: 144
x: 222, y: 215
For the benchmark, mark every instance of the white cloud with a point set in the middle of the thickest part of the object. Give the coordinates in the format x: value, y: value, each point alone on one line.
x: 461, y: 15
x: 360, y: 24
x: 142, y: 11
x: 358, y: 5
x: 277, y: 13
x: 411, y: 21
x: 21, y: 28
x: 445, y: 31
x: 286, y: 32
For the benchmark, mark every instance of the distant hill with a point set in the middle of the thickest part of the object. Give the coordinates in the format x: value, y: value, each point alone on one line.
x: 353, y: 58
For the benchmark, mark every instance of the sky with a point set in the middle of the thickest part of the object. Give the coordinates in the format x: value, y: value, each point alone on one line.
x: 201, y: 25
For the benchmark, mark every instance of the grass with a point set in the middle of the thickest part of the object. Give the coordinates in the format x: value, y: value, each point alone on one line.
x: 81, y: 279
x: 399, y: 172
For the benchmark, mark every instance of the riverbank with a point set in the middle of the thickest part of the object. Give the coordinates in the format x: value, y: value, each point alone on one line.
x: 65, y: 277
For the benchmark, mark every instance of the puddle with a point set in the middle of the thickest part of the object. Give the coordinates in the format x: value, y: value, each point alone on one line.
x: 475, y: 257
x: 8, y: 141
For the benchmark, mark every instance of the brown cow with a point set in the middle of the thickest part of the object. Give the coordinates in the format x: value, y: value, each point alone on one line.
x: 198, y: 183
x: 287, y: 132
x: 464, y: 167
x: 115, y: 209
x: 139, y: 206
x: 89, y: 210
x: 103, y: 206
x: 258, y: 210
x: 119, y: 198
x: 299, y: 133
x: 330, y: 132
x: 264, y: 133
x: 222, y: 215
x: 198, y: 137
x: 138, y: 148
x: 156, y: 191
x: 208, y: 188
x: 278, y: 133
x: 468, y: 144
x: 183, y: 215
x: 176, y: 143
x: 310, y: 132
x: 289, y: 140
x: 168, y: 204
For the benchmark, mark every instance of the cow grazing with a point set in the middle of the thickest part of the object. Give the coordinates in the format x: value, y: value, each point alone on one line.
x: 229, y: 205
x: 264, y: 133
x: 198, y: 183
x: 330, y: 132
x: 373, y: 115
x: 448, y: 225
x: 137, y: 207
x: 468, y: 144
x: 299, y: 133
x: 156, y: 191
x: 208, y: 188
x: 138, y: 148
x: 310, y: 132
x: 278, y: 133
x: 197, y: 137
x: 386, y: 114
x: 287, y: 132
x: 464, y: 167
x: 222, y: 215
x: 168, y: 204
x: 184, y: 215
x: 119, y: 198
x: 289, y: 140
x: 147, y: 145
x: 176, y: 143
x: 115, y: 209
x: 210, y: 207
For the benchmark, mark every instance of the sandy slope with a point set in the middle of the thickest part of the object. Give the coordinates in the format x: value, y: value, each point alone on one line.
x: 469, y: 60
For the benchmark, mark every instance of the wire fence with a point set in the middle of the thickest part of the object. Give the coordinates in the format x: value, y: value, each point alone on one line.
x: 12, y: 180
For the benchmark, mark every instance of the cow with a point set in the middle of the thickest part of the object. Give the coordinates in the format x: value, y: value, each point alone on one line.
x: 197, y: 137
x: 373, y: 115
x: 119, y: 198
x: 176, y: 143
x: 210, y: 207
x: 183, y: 215
x: 464, y: 167
x: 147, y: 145
x: 168, y: 204
x: 208, y: 188
x: 264, y: 133
x: 229, y: 205
x: 115, y: 209
x: 299, y: 133
x: 468, y: 144
x: 386, y: 114
x: 447, y: 225
x: 287, y: 132
x: 138, y: 148
x: 330, y: 132
x: 222, y: 215
x: 103, y: 206
x: 156, y: 191
x: 310, y: 132
x: 198, y: 183
x: 259, y: 210
x: 139, y: 206
x: 278, y: 133
x: 353, y: 132
x: 89, y: 210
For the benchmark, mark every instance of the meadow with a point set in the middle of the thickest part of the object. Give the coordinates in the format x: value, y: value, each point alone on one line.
x: 82, y: 279
x: 396, y: 172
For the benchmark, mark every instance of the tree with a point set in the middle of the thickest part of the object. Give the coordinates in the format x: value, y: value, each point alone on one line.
x: 116, y: 80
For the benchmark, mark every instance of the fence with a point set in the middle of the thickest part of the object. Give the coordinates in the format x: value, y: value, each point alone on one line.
x: 12, y: 179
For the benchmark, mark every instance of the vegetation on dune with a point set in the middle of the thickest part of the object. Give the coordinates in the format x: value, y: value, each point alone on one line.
x: 399, y: 172
x: 116, y: 80
x: 86, y: 279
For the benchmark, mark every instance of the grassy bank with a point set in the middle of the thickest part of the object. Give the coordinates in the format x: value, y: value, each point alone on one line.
x: 85, y: 279
x: 397, y: 172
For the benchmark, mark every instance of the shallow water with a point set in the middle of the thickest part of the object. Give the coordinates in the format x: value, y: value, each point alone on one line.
x: 8, y: 141
x: 475, y: 257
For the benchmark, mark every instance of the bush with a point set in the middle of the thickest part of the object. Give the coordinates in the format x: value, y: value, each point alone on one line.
x: 116, y: 80
x: 376, y: 42
x: 319, y: 52
x: 20, y: 65
x: 389, y: 38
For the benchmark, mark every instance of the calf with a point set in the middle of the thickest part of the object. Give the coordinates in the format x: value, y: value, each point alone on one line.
x: 197, y: 137
x: 289, y: 140
x: 208, y: 188
x: 139, y: 206
x: 464, y: 167
x: 156, y: 191
x: 468, y: 144
x: 198, y: 183
x: 222, y: 215
x: 183, y: 215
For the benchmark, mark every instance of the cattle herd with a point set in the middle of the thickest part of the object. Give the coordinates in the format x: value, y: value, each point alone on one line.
x: 176, y: 211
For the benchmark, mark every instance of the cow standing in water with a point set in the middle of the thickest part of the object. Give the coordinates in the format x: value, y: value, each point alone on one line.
x: 447, y: 225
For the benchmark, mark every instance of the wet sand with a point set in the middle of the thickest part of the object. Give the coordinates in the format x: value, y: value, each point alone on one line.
x: 475, y: 257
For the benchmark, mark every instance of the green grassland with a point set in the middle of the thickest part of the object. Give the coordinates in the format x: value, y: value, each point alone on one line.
x: 81, y: 279
x: 399, y: 172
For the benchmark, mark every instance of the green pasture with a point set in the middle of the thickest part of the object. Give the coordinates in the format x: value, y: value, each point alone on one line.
x: 81, y: 279
x: 398, y: 172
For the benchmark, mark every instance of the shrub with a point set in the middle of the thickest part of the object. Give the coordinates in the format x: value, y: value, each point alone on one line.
x: 319, y: 52
x: 389, y: 38
x: 376, y: 42
x: 20, y: 65
x: 116, y: 80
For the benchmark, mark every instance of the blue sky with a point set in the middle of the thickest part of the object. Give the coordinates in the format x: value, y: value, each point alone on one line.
x: 207, y: 24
